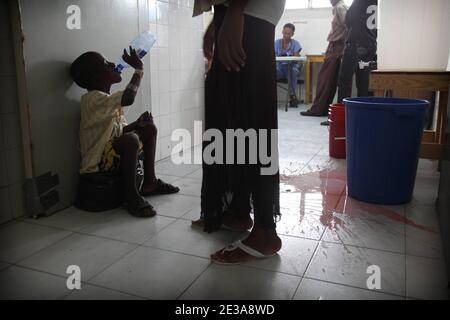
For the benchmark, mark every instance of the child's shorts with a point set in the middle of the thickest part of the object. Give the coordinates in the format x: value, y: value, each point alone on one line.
x: 111, y: 159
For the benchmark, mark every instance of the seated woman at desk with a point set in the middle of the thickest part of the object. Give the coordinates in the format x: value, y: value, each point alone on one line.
x: 288, y: 47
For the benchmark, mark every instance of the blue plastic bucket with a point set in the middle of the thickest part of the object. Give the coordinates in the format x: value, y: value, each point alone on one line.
x: 383, y: 144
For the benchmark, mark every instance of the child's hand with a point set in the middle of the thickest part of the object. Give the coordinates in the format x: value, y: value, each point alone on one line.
x: 132, y: 58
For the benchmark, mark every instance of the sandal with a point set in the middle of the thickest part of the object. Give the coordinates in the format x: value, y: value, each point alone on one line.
x: 142, y: 210
x: 161, y: 188
x: 225, y: 256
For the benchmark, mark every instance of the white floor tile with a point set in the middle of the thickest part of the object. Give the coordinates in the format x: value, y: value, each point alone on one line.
x: 23, y: 284
x: 324, y: 162
x: 423, y: 242
x: 174, y: 205
x: 152, y: 273
x: 348, y: 265
x: 358, y: 209
x: 427, y: 167
x: 426, y: 278
x: 196, y: 175
x: 90, y: 292
x: 73, y: 219
x: 167, y: 178
x: 382, y: 234
x: 182, y: 237
x: 4, y: 265
x: 423, y: 215
x: 239, y: 283
x: 192, y: 214
x: 319, y: 290
x: 91, y: 254
x: 19, y: 240
x: 426, y: 190
x: 188, y: 186
x: 306, y: 226
x: 293, y: 258
x: 167, y: 167
x: 125, y: 227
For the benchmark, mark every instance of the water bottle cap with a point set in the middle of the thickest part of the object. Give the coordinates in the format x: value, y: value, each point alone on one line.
x: 119, y: 68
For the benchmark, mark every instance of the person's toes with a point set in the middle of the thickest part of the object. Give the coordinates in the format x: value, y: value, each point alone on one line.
x: 147, y: 212
x: 198, y: 223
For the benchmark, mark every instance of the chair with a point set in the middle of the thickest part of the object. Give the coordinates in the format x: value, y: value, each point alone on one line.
x: 286, y: 88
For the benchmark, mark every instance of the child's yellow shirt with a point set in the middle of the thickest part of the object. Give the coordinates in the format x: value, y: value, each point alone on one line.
x: 101, y: 120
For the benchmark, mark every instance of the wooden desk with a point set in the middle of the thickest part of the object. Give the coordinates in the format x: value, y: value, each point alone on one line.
x: 310, y: 60
x: 413, y: 84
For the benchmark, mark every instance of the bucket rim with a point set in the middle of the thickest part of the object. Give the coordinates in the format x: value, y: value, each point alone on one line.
x: 382, y: 101
x: 337, y: 105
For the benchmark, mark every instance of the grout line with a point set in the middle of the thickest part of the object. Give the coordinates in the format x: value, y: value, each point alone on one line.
x: 158, y: 232
x: 193, y: 281
x: 304, y: 167
x: 143, y: 245
x: 65, y: 278
x: 46, y: 273
x: 361, y: 247
x: 355, y: 287
x: 42, y: 249
x: 106, y: 288
x: 113, y: 263
x: 173, y: 251
x: 79, y: 232
x: 316, y: 249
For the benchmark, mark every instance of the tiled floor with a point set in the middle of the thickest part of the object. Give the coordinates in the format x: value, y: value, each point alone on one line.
x: 329, y: 241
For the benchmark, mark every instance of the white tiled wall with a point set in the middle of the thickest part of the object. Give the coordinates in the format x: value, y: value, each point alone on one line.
x: 417, y: 26
x: 11, y: 154
x: 177, y: 69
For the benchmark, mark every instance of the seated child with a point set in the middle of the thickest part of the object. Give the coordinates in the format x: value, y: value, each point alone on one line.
x: 104, y: 132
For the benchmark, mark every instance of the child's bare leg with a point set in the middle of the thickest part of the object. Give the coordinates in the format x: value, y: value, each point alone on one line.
x: 152, y: 185
x: 148, y: 136
x: 127, y: 146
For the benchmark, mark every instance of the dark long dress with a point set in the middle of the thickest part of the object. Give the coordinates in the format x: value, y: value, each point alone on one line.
x: 241, y: 100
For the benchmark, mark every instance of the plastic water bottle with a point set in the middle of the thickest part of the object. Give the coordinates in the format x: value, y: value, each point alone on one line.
x: 142, y: 44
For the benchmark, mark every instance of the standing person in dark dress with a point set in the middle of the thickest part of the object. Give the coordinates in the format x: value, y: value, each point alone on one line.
x: 240, y: 93
x: 361, y: 44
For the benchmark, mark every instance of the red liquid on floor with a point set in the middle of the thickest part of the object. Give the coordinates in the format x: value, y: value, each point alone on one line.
x: 324, y: 193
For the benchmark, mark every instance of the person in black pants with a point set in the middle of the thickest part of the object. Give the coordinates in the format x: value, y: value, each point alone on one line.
x: 361, y: 45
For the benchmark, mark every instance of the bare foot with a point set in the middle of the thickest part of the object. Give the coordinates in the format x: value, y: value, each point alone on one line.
x: 198, y: 223
x: 158, y: 187
x: 149, y: 186
x: 139, y: 208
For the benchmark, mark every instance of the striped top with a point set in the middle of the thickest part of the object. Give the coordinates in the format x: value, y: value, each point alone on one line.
x: 101, y: 120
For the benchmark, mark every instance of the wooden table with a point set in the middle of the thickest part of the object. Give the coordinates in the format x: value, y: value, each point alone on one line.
x: 414, y: 84
x: 310, y: 60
